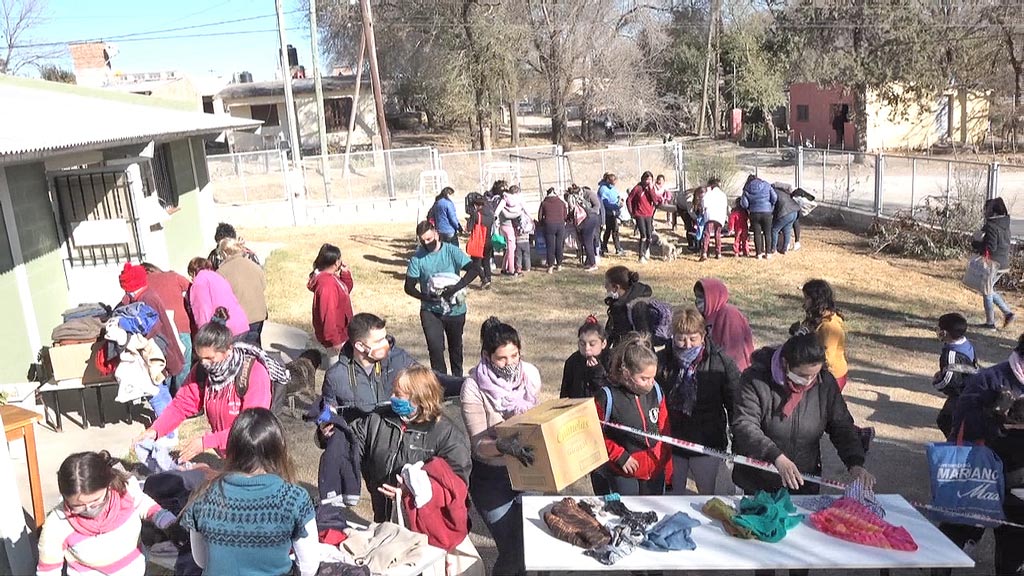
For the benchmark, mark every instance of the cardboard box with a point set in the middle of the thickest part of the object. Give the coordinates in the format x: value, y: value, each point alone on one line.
x: 76, y: 361
x: 567, y: 441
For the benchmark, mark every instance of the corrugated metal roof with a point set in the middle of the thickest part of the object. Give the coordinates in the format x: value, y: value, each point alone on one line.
x: 276, y: 87
x: 39, y: 119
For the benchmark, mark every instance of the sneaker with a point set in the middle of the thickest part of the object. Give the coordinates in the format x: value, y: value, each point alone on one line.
x: 796, y: 246
x: 551, y: 269
x: 866, y: 436
x: 987, y: 326
x: 767, y: 256
x: 487, y: 285
x: 558, y: 267
x: 620, y: 252
x: 703, y: 257
x: 718, y: 256
x: 591, y: 269
x: 1008, y: 319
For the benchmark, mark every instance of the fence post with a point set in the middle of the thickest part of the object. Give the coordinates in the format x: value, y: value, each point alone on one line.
x: 680, y: 169
x: 913, y: 185
x: 282, y: 157
x: 993, y: 180
x: 879, y: 178
x: 389, y: 173
x: 435, y: 159
x: 849, y: 171
x: 949, y: 180
x: 799, y: 176
x: 559, y: 168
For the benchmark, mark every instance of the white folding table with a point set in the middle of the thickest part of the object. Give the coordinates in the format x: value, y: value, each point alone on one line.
x: 804, y: 547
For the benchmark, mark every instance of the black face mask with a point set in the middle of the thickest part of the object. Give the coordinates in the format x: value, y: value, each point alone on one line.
x: 430, y: 246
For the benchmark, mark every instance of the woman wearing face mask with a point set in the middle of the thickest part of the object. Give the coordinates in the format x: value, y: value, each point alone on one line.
x: 414, y: 430
x: 500, y: 387
x: 700, y: 383
x: 642, y: 201
x: 231, y: 377
x: 95, y: 529
x: 787, y: 403
x: 622, y: 286
x: 727, y: 327
x: 585, y: 372
x: 637, y: 466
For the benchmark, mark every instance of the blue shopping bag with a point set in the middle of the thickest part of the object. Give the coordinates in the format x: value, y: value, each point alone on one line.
x: 967, y: 478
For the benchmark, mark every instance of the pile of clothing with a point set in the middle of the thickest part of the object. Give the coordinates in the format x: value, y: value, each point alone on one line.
x: 768, y: 515
x: 726, y: 514
x: 380, y: 549
x: 848, y: 519
x: 609, y: 531
x: 140, y: 361
x: 83, y: 323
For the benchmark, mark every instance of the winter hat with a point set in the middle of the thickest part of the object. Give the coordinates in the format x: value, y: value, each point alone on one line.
x: 132, y: 277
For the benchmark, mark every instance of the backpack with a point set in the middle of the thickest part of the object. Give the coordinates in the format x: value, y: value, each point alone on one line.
x: 609, y: 400
x: 241, y: 384
x: 653, y: 317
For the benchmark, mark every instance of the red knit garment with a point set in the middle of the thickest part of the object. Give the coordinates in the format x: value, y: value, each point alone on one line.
x: 850, y: 520
x: 445, y: 519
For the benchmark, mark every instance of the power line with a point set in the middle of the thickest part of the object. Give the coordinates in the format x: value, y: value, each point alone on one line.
x: 125, y: 37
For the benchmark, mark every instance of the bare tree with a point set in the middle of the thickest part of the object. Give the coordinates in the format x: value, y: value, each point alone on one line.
x: 55, y: 73
x: 18, y: 18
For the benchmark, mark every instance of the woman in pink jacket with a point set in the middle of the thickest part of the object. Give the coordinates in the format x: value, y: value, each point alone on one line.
x: 231, y: 377
x: 210, y: 291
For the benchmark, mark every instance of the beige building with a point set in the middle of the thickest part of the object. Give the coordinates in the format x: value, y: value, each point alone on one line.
x: 264, y: 101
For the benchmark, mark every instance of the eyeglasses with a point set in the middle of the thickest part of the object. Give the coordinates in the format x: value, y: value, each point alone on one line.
x: 88, y: 506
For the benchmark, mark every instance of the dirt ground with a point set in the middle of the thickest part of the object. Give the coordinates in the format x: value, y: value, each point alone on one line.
x: 890, y: 307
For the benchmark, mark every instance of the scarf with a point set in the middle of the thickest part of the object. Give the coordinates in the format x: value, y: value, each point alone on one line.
x: 684, y: 391
x: 220, y: 374
x: 118, y: 510
x: 796, y: 393
x: 512, y: 389
x: 1017, y: 366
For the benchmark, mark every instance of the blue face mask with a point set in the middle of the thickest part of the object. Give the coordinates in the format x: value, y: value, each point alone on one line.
x: 402, y: 407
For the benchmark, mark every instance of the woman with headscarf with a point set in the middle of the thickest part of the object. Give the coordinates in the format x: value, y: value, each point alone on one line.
x: 727, y: 327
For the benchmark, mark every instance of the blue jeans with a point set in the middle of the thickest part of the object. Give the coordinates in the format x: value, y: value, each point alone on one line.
x: 995, y: 299
x: 176, y: 383
x: 160, y: 401
x: 499, y: 506
x: 784, y: 225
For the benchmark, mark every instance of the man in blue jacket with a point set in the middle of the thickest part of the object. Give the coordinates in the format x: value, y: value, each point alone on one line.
x: 445, y: 218
x: 759, y: 199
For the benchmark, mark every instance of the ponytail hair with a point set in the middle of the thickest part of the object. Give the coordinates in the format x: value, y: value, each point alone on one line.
x: 215, y: 333
x: 621, y: 276
x: 592, y: 326
x: 634, y: 353
x: 89, y: 472
x: 494, y: 334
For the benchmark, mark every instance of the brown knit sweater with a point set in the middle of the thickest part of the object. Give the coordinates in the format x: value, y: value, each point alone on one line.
x: 249, y: 284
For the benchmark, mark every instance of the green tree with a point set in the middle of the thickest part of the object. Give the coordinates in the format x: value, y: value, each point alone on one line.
x: 755, y: 61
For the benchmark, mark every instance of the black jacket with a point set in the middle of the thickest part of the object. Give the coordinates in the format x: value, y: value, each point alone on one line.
x: 384, y: 443
x: 718, y: 382
x: 618, y: 313
x: 996, y: 240
x: 349, y: 386
x: 759, y: 430
x: 785, y: 204
x: 580, y: 380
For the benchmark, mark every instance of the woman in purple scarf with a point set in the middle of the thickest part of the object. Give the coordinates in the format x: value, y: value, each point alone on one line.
x: 500, y: 387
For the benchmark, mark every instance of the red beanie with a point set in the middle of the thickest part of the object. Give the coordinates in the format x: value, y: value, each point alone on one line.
x: 132, y: 277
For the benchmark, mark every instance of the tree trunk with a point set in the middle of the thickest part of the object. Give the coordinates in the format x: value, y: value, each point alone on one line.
x: 860, y: 118
x: 513, y: 121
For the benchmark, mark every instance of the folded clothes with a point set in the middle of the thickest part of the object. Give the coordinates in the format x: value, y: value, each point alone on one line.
x: 155, y: 456
x: 90, y: 310
x: 570, y: 523
x: 768, y: 516
x: 77, y: 329
x: 724, y: 512
x: 672, y: 533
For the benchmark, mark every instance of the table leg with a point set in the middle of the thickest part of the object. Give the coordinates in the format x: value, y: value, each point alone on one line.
x: 99, y: 406
x: 56, y: 410
x: 35, y: 487
x: 85, y: 419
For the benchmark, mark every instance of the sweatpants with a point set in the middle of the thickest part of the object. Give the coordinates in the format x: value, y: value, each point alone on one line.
x: 645, y: 226
x: 502, y: 512
x: 605, y: 481
x: 761, y: 227
x: 523, y: 256
x: 611, y: 230
x: 739, y: 242
x: 437, y: 328
x: 710, y: 228
x: 588, y: 236
x: 554, y: 243
x: 703, y: 469
x: 339, y: 470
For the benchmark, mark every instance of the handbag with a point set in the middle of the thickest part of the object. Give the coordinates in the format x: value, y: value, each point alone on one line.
x: 477, y: 242
x: 497, y: 240
x: 968, y: 478
x: 980, y: 275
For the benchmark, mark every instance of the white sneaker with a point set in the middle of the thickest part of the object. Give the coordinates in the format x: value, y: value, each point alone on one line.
x: 796, y: 246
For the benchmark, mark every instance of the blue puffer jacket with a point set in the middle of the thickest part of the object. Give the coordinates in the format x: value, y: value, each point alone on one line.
x: 610, y: 197
x: 758, y: 196
x: 447, y: 219
x: 974, y: 410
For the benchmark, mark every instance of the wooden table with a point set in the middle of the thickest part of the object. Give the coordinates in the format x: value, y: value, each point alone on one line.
x: 20, y: 423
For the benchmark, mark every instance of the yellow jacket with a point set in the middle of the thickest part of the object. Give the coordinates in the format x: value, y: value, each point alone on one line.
x: 832, y: 336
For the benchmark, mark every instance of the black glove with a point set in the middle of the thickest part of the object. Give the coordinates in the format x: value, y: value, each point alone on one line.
x: 428, y: 297
x: 449, y: 292
x: 510, y: 446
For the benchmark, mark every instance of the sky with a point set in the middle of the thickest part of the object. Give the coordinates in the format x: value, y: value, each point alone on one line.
x: 221, y: 49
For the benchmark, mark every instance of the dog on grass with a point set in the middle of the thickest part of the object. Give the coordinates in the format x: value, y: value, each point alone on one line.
x: 666, y: 250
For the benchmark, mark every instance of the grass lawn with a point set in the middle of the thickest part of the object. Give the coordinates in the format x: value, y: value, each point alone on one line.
x: 890, y: 307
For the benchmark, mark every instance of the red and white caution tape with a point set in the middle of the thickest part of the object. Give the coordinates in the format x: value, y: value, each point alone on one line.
x: 769, y: 467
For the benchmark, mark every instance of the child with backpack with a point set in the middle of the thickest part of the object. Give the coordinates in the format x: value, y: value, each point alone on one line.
x: 956, y: 361
x: 523, y: 232
x: 585, y: 372
x: 637, y: 466
x: 738, y: 223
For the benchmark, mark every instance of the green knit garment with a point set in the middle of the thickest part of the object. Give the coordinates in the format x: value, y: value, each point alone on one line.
x: 768, y: 516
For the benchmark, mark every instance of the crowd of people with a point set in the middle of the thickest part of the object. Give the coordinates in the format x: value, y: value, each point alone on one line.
x: 381, y: 414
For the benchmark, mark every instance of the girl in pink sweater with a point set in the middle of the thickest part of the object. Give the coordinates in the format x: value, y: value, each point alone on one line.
x: 208, y: 292
x: 231, y: 377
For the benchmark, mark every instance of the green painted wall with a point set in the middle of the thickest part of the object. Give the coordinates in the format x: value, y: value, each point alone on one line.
x: 14, y: 348
x: 183, y: 230
x: 37, y: 233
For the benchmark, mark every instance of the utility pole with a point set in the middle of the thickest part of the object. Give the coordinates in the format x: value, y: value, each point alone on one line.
x: 325, y: 167
x: 289, y: 98
x: 355, y: 100
x: 712, y: 22
x: 717, y: 118
x: 378, y: 94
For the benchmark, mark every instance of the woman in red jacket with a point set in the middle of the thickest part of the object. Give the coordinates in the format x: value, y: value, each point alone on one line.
x: 331, y: 285
x: 642, y: 201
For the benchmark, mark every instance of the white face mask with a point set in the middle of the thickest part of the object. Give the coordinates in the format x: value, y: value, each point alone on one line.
x: 613, y: 294
x: 798, y: 380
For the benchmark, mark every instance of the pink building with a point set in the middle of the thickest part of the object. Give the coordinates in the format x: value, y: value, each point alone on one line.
x: 821, y: 116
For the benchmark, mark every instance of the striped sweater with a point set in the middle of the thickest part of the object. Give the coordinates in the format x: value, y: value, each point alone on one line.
x: 113, y: 553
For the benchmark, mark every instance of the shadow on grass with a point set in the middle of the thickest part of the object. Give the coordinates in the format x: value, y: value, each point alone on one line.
x: 905, y: 415
x: 386, y: 261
